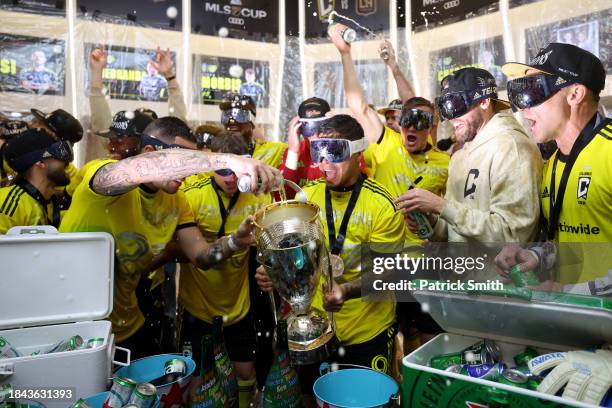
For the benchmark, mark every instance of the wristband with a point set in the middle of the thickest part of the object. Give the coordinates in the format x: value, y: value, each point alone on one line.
x: 292, y: 160
x: 170, y: 78
x: 231, y: 244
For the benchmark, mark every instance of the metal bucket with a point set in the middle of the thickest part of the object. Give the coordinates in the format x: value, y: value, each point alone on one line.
x: 355, y: 388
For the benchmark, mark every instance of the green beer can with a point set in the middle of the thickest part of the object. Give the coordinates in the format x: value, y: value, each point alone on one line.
x: 523, y: 358
x: 484, y: 352
x: 514, y: 378
x: 521, y: 279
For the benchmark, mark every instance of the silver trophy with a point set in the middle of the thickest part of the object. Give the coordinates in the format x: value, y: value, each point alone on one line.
x: 292, y: 249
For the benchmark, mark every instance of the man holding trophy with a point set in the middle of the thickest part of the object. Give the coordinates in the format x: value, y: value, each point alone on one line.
x: 353, y: 210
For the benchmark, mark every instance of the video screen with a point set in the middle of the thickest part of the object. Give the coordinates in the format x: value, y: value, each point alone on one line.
x: 486, y: 54
x: 129, y: 74
x: 32, y: 65
x: 215, y: 78
x: 372, y: 77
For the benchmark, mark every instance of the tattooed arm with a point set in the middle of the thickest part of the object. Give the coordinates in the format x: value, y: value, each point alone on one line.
x: 174, y: 164
x: 204, y: 254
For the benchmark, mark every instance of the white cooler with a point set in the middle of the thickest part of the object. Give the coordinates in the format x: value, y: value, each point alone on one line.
x: 54, y: 286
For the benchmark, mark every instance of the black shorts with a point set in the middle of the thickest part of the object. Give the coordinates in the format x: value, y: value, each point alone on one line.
x: 376, y: 353
x: 143, y: 343
x: 239, y: 337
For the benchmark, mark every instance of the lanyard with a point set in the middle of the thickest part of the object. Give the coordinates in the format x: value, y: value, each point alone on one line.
x: 224, y: 212
x: 337, y: 242
x: 587, y: 134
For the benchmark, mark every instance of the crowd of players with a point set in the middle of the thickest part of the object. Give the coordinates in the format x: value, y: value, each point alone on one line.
x: 168, y: 194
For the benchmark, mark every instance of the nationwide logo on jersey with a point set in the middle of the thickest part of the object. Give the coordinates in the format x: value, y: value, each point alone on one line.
x: 583, y: 187
x: 365, y: 7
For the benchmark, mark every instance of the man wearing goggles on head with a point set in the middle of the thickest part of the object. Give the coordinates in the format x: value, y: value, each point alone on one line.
x: 492, y: 189
x: 138, y: 202
x: 558, y: 94
x: 347, y: 198
x: 223, y: 289
x: 237, y: 115
x: 40, y: 161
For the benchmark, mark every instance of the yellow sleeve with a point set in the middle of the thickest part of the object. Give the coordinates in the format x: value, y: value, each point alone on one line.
x: 186, y: 213
x: 389, y: 226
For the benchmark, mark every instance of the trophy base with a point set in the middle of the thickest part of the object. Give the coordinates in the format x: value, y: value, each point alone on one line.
x: 316, y: 352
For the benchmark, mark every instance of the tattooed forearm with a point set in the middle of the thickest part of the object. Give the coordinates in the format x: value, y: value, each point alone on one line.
x: 213, y: 253
x: 122, y: 176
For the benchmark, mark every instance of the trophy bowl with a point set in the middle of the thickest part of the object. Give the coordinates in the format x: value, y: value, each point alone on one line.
x: 291, y: 247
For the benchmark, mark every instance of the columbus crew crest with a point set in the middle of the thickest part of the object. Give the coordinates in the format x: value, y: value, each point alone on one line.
x: 365, y: 7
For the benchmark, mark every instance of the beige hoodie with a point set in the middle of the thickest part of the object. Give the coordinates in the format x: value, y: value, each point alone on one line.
x: 101, y: 116
x: 492, y: 191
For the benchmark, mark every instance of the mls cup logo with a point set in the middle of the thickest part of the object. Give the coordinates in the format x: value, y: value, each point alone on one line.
x: 365, y: 7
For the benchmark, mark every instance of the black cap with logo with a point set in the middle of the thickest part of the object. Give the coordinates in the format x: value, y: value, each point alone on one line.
x: 566, y: 61
x: 313, y: 108
x: 477, y: 80
x: 11, y: 128
x: 127, y: 123
x: 63, y: 124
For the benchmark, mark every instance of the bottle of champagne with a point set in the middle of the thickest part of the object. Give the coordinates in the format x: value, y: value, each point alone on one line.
x: 225, y: 368
x: 207, y: 392
x: 282, y: 387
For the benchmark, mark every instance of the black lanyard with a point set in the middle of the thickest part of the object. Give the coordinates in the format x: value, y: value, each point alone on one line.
x: 587, y: 134
x: 224, y: 212
x: 337, y: 242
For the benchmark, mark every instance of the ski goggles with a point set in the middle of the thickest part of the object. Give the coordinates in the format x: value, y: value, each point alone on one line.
x: 335, y: 150
x: 224, y: 172
x: 146, y: 140
x: 61, y: 151
x: 530, y: 91
x: 204, y: 140
x: 310, y: 127
x: 235, y: 114
x: 455, y: 104
x: 416, y: 118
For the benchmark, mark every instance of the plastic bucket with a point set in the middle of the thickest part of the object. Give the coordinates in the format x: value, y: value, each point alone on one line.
x: 97, y: 400
x: 355, y: 388
x: 149, y: 368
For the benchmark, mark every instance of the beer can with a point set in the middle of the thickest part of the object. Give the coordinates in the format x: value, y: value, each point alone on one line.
x: 143, y: 396
x: 95, y: 342
x: 81, y: 404
x: 456, y: 368
x: 523, y: 358
x: 514, y: 378
x: 70, y: 344
x: 6, y: 392
x: 522, y: 279
x: 349, y: 35
x: 424, y: 229
x: 484, y: 352
x: 490, y: 372
x: 120, y: 392
x: 384, y: 53
x: 6, y: 350
x: 176, y: 365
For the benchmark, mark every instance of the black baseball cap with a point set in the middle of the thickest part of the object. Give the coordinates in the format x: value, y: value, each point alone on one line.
x: 148, y: 112
x: 29, y: 141
x: 63, y: 124
x: 127, y: 123
x: 395, y: 105
x: 472, y: 79
x: 11, y: 128
x: 318, y: 105
x: 566, y: 61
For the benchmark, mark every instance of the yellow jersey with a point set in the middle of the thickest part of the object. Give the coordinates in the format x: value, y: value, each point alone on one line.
x: 142, y: 222
x: 396, y: 168
x: 222, y: 290
x: 270, y: 153
x: 586, y: 206
x: 374, y: 219
x: 22, y: 204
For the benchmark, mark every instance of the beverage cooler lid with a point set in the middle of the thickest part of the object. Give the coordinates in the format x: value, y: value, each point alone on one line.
x: 545, y: 320
x: 49, y: 277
